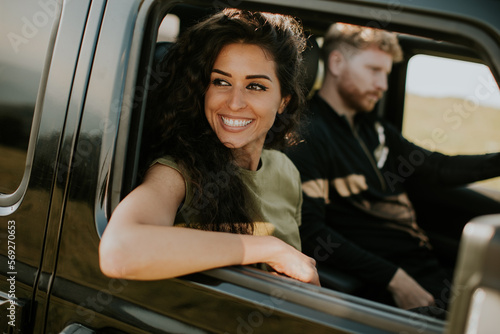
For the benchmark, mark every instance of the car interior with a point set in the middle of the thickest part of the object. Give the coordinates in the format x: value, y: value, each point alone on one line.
x: 458, y: 205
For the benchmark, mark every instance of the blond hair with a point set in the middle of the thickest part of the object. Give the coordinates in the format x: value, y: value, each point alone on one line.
x: 349, y: 37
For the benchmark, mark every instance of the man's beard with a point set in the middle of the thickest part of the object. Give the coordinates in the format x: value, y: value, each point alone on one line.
x: 357, y: 100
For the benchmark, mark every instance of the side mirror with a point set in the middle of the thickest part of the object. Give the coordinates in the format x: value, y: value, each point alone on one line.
x: 476, y: 284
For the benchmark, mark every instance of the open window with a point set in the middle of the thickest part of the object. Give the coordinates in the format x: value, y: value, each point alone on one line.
x: 452, y: 106
x: 165, y: 21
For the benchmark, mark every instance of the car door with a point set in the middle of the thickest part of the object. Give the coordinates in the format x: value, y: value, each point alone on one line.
x: 106, y: 154
x: 40, y: 44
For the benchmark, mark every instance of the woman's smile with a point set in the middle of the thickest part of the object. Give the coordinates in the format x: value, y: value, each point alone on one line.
x: 237, y: 124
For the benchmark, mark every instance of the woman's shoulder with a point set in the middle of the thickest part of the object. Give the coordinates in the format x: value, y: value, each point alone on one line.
x: 169, y: 175
x: 169, y: 161
x: 166, y: 160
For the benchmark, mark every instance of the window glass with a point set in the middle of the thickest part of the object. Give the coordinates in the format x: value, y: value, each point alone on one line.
x: 26, y: 27
x: 453, y: 107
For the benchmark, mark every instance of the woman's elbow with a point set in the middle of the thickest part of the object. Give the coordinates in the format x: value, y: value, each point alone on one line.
x: 113, y: 259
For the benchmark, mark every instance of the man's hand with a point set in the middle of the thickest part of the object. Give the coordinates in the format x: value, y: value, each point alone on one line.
x: 407, y: 293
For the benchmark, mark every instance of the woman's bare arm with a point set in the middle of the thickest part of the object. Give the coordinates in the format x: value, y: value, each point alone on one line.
x: 141, y: 242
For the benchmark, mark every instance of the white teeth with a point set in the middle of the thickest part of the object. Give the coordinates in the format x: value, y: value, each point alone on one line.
x: 235, y: 122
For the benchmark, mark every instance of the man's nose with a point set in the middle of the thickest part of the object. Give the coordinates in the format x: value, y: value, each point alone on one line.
x: 381, y: 82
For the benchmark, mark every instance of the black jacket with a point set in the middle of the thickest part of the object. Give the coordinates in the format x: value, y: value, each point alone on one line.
x: 356, y: 214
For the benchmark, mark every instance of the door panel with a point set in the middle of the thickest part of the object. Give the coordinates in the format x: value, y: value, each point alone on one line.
x: 28, y: 149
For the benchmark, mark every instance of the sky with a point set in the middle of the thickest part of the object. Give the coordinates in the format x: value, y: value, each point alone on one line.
x: 439, y: 77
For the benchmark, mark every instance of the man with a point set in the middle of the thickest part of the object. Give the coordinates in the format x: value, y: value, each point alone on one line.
x: 357, y: 216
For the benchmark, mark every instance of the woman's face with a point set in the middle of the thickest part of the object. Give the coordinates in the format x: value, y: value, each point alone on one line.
x: 243, y: 97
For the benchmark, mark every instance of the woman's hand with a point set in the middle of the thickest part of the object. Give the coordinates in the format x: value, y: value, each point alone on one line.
x: 289, y: 261
x: 407, y: 293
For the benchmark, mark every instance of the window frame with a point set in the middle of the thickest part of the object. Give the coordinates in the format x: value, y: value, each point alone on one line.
x: 392, y: 105
x: 10, y: 202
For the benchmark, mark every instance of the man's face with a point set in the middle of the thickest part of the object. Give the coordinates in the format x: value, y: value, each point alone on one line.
x: 363, y: 78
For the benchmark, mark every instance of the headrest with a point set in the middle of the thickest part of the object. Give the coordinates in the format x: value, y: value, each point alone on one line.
x: 311, y: 56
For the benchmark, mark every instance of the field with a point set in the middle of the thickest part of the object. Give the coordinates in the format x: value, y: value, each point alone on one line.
x: 12, y: 162
x: 453, y: 126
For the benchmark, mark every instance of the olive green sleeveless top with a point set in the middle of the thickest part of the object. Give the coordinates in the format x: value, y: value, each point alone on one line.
x: 276, y: 188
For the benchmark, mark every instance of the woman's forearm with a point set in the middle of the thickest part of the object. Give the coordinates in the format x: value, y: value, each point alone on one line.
x: 148, y: 252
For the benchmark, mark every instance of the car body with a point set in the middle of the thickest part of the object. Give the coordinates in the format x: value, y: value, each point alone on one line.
x: 75, y: 76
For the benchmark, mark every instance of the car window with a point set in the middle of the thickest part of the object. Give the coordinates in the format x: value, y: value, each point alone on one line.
x: 452, y: 106
x: 26, y: 29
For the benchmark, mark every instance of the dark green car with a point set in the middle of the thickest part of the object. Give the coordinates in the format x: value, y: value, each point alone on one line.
x: 74, y: 76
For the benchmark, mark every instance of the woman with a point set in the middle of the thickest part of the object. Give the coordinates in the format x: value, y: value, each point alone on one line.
x: 233, y: 88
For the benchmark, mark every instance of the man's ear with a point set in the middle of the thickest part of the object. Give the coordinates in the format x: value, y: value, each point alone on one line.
x: 336, y: 62
x: 284, y: 103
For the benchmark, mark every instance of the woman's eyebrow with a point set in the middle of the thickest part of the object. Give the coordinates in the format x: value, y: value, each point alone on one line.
x: 258, y: 76
x: 253, y: 76
x: 222, y: 72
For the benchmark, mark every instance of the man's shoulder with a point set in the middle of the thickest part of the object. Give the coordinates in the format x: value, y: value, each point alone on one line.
x: 320, y: 121
x: 318, y: 111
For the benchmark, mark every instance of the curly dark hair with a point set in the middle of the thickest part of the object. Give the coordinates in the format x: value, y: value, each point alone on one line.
x: 182, y: 129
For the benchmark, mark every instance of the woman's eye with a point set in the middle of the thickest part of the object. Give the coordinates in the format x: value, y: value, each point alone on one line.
x: 256, y: 86
x: 220, y: 82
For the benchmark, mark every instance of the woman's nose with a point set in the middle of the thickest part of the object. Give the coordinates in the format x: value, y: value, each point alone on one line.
x: 237, y: 99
